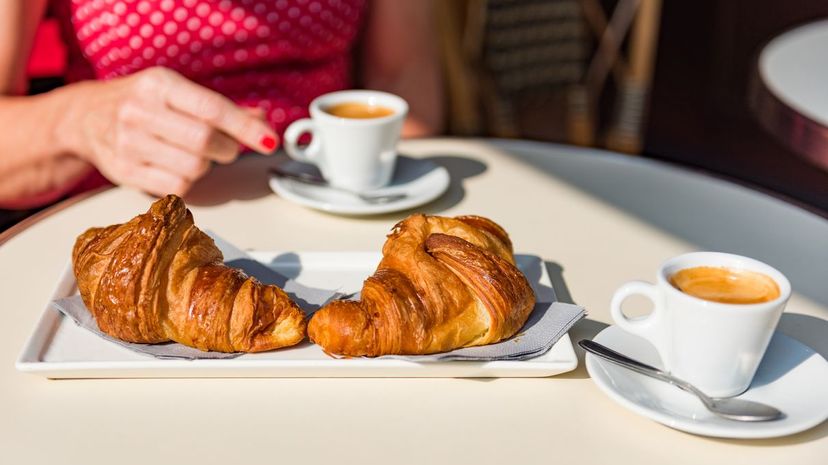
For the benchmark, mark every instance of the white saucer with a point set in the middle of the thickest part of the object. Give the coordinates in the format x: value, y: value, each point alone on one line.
x: 792, y: 378
x: 421, y: 180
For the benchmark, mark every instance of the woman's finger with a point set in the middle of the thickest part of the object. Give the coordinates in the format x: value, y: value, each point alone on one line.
x: 155, y: 152
x: 156, y: 181
x: 222, y: 148
x: 187, y: 133
x: 212, y: 107
x: 174, y: 127
x: 255, y: 111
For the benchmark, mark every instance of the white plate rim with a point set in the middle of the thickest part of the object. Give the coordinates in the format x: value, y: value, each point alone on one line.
x: 740, y: 430
x: 442, y: 181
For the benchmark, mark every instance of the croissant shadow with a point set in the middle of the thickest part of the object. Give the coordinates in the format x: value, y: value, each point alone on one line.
x: 289, y: 264
x: 532, y: 268
x: 584, y: 329
x: 259, y: 271
x: 308, y: 299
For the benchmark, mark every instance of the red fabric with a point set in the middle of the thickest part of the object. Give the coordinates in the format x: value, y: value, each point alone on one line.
x: 277, y: 55
x: 48, y: 57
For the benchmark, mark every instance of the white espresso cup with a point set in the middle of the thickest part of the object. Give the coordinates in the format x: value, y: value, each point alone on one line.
x: 715, y: 346
x: 352, y: 153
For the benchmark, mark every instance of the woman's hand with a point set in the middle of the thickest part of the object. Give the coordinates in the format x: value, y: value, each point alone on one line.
x: 157, y: 131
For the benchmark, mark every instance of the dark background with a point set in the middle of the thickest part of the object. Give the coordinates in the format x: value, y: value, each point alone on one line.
x: 699, y: 114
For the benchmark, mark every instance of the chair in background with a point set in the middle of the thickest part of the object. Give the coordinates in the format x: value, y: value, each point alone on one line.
x: 539, y: 69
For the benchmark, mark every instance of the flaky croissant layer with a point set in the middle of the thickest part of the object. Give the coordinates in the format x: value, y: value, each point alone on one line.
x: 159, y: 278
x: 443, y: 283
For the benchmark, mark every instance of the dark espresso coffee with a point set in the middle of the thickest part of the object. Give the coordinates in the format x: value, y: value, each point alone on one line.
x: 725, y: 285
x: 358, y: 110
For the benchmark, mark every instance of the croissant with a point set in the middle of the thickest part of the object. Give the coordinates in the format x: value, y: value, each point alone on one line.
x: 159, y: 278
x: 443, y: 283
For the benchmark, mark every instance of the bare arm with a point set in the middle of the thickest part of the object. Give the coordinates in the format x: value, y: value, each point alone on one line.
x: 32, y: 158
x: 18, y: 21
x: 400, y: 56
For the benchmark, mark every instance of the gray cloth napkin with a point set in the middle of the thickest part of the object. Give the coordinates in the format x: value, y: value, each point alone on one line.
x: 545, y: 326
x: 309, y: 299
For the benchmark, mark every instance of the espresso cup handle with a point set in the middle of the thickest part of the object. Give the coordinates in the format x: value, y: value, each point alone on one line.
x: 294, y: 131
x: 647, y: 327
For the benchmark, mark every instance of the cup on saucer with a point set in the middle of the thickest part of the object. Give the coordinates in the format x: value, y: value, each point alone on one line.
x: 354, y: 137
x: 712, y: 319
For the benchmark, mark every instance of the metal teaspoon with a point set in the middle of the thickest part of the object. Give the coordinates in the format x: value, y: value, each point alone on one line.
x: 319, y: 181
x: 730, y: 408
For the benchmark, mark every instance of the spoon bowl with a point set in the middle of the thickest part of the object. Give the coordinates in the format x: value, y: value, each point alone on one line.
x: 730, y: 408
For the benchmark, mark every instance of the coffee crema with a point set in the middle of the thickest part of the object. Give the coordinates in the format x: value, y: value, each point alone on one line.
x: 725, y: 285
x: 358, y: 110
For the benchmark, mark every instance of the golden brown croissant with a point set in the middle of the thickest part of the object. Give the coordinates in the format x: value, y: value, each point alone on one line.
x: 443, y: 283
x: 159, y: 278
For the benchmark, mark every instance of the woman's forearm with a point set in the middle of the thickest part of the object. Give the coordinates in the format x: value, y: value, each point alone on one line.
x: 35, y: 152
x: 34, y: 155
x: 34, y: 180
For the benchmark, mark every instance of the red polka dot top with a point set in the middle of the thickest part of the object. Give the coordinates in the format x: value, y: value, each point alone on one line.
x: 277, y: 55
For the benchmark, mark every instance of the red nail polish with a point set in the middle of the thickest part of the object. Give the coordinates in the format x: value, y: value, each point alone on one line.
x: 269, y: 142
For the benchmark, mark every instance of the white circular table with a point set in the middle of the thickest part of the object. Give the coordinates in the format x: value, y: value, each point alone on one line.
x: 602, y: 218
x: 790, y: 90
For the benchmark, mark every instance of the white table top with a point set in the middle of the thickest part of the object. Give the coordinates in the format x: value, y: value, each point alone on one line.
x: 789, y: 93
x: 794, y: 66
x: 603, y: 218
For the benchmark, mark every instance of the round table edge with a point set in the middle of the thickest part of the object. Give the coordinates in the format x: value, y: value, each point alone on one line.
x: 28, y: 222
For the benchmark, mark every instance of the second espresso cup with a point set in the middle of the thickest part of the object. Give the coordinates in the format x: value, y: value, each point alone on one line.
x: 713, y: 345
x: 354, y: 152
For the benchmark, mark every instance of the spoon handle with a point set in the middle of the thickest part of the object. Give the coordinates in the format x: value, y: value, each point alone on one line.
x: 312, y: 179
x: 619, y: 359
x: 298, y: 175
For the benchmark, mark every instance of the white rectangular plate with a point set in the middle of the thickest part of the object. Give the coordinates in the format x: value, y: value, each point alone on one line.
x: 60, y: 349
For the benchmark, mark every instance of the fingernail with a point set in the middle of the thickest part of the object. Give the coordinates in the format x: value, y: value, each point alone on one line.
x: 268, y: 142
